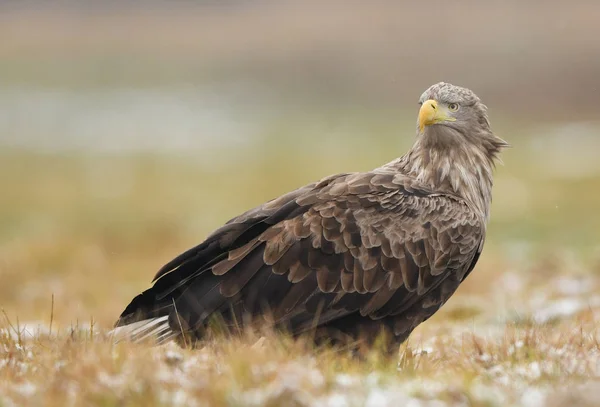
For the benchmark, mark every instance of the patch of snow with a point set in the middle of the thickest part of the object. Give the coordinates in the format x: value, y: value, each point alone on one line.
x: 334, y: 400
x: 377, y: 398
x: 571, y: 286
x: 26, y: 330
x: 59, y: 364
x: 485, y: 357
x: 346, y: 380
x: 533, y: 397
x: 384, y: 398
x: 534, y: 370
x: 26, y: 389
x: 293, y: 381
x: 564, y: 307
x: 111, y: 381
x: 173, y: 358
x: 487, y: 395
x: 499, y: 374
x: 180, y: 397
x: 513, y: 348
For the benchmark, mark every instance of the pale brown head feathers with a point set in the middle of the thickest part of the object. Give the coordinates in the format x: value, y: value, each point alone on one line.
x: 455, y: 150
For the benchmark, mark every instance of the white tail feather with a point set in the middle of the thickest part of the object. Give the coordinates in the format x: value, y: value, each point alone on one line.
x: 153, y: 328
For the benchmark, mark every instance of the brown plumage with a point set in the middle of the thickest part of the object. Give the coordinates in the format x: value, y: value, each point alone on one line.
x: 352, y: 254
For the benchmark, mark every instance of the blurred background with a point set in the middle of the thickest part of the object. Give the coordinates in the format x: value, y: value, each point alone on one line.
x: 130, y: 130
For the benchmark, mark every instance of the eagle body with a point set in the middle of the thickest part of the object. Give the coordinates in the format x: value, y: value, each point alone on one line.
x: 350, y: 256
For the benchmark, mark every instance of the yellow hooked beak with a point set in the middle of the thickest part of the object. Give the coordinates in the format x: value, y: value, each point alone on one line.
x: 431, y: 113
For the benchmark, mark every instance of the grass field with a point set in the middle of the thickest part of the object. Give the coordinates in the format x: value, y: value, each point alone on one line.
x: 128, y: 133
x: 81, y: 234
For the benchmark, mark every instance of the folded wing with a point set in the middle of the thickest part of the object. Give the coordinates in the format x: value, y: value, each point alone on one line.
x: 374, y: 248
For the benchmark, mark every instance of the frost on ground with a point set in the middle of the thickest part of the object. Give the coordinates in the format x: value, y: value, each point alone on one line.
x: 543, y: 352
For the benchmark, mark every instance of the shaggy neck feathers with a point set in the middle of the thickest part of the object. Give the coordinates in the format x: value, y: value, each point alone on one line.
x: 452, y: 163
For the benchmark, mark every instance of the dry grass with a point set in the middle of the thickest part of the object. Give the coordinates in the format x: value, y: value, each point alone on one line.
x: 530, y: 365
x: 80, y: 235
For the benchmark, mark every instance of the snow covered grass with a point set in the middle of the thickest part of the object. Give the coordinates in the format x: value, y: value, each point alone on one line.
x: 530, y: 365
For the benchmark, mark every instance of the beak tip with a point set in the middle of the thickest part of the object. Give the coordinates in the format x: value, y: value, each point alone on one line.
x: 427, y: 114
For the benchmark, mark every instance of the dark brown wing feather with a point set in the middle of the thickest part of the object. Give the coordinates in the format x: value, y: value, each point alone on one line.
x: 375, y: 247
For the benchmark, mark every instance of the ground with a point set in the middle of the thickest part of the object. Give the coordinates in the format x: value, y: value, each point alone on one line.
x: 127, y: 135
